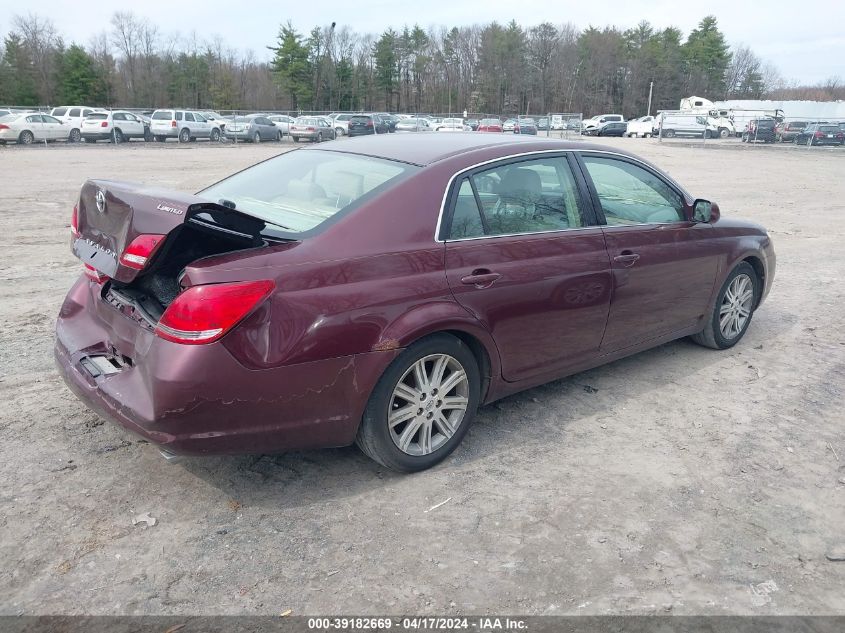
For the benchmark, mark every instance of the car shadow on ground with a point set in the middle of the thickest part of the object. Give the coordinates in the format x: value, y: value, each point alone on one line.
x: 522, y: 423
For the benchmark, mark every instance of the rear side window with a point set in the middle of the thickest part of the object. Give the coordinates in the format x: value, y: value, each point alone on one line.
x: 73, y: 112
x: 178, y: 116
x: 530, y: 196
x: 630, y: 194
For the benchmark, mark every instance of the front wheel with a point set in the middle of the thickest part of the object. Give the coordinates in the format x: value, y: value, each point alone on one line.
x: 215, y: 135
x: 724, y: 132
x: 422, y: 406
x: 319, y: 137
x: 75, y: 136
x: 734, y: 308
x: 256, y: 138
x: 117, y: 136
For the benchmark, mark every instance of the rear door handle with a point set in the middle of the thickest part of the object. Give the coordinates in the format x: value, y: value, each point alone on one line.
x: 481, y: 278
x: 627, y: 258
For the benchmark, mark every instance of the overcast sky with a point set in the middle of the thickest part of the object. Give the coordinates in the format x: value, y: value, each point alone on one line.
x: 805, y: 40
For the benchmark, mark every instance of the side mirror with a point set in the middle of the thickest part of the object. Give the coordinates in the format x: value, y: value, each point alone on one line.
x: 705, y: 211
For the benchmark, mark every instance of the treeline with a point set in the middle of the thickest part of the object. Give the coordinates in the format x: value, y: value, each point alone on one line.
x: 492, y: 68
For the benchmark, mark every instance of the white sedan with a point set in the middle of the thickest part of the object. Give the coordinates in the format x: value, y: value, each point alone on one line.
x: 452, y: 125
x: 282, y: 121
x: 29, y: 127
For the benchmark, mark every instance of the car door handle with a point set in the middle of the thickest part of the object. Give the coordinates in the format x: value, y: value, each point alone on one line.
x: 626, y: 258
x: 481, y: 278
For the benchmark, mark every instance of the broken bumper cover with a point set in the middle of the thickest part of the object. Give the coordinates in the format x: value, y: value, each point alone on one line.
x: 199, y: 400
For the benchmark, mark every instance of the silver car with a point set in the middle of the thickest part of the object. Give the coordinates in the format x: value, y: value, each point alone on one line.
x: 281, y: 121
x: 414, y: 124
x: 313, y: 128
x: 185, y: 125
x: 253, y: 128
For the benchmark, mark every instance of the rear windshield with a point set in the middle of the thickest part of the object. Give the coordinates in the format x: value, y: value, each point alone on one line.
x: 829, y: 128
x: 305, y: 121
x: 766, y: 123
x: 97, y: 115
x: 359, y: 119
x: 300, y: 190
x: 163, y: 115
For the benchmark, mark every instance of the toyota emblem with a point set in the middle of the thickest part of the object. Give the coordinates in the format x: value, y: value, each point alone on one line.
x: 101, y: 201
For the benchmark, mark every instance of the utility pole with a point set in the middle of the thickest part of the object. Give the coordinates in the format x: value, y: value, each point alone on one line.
x: 650, y: 88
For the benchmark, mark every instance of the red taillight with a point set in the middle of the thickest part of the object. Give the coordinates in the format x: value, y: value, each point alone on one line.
x: 310, y: 129
x: 74, y: 222
x: 819, y: 134
x: 140, y: 250
x: 95, y: 275
x: 369, y: 124
x: 104, y: 124
x: 203, y: 314
x: 173, y: 124
x: 3, y: 126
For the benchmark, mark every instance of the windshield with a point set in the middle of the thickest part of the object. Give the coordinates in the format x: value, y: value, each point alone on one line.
x: 300, y: 190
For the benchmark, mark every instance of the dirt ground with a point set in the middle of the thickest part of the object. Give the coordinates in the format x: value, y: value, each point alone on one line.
x: 681, y: 480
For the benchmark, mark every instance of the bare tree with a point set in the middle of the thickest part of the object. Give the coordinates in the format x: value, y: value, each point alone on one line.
x: 39, y: 37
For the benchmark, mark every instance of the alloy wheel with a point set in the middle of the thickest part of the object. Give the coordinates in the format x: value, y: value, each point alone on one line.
x: 736, y: 306
x: 428, y: 404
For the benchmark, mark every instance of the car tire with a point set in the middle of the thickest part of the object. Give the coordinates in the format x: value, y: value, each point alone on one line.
x: 295, y: 139
x: 743, y: 284
x: 185, y: 135
x: 724, y: 132
x: 215, y: 135
x: 319, y: 138
x: 279, y: 136
x: 669, y: 134
x: 116, y: 136
x: 148, y: 136
x: 338, y: 131
x: 436, y: 434
x: 75, y: 136
x: 26, y: 138
x: 256, y: 138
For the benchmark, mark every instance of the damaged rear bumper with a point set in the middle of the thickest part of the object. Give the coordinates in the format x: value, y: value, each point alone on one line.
x: 198, y: 399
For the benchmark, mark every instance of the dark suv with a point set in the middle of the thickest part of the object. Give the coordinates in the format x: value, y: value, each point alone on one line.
x: 362, y: 124
x: 821, y: 134
x: 760, y: 130
x: 786, y: 131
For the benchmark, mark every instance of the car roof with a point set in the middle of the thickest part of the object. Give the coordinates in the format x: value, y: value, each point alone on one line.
x: 430, y: 148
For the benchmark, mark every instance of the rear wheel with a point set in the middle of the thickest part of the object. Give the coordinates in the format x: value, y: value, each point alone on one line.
x: 75, y: 136
x: 669, y: 134
x: 26, y: 138
x: 422, y: 406
x: 279, y: 136
x: 734, y: 308
x: 185, y: 136
x: 338, y: 131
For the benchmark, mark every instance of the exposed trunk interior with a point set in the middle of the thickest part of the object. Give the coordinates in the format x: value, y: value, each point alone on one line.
x: 205, y: 233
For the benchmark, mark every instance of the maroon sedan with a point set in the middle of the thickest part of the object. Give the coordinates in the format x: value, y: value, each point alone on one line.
x: 379, y: 290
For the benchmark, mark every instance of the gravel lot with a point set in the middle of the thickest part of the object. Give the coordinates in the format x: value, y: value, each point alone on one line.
x: 681, y: 479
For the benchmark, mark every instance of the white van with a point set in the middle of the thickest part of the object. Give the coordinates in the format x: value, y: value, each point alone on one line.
x: 688, y: 125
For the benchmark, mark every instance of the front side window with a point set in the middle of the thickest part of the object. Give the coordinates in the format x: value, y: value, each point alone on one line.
x: 630, y: 194
x: 189, y: 116
x: 46, y: 118
x: 298, y: 191
x: 529, y: 196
